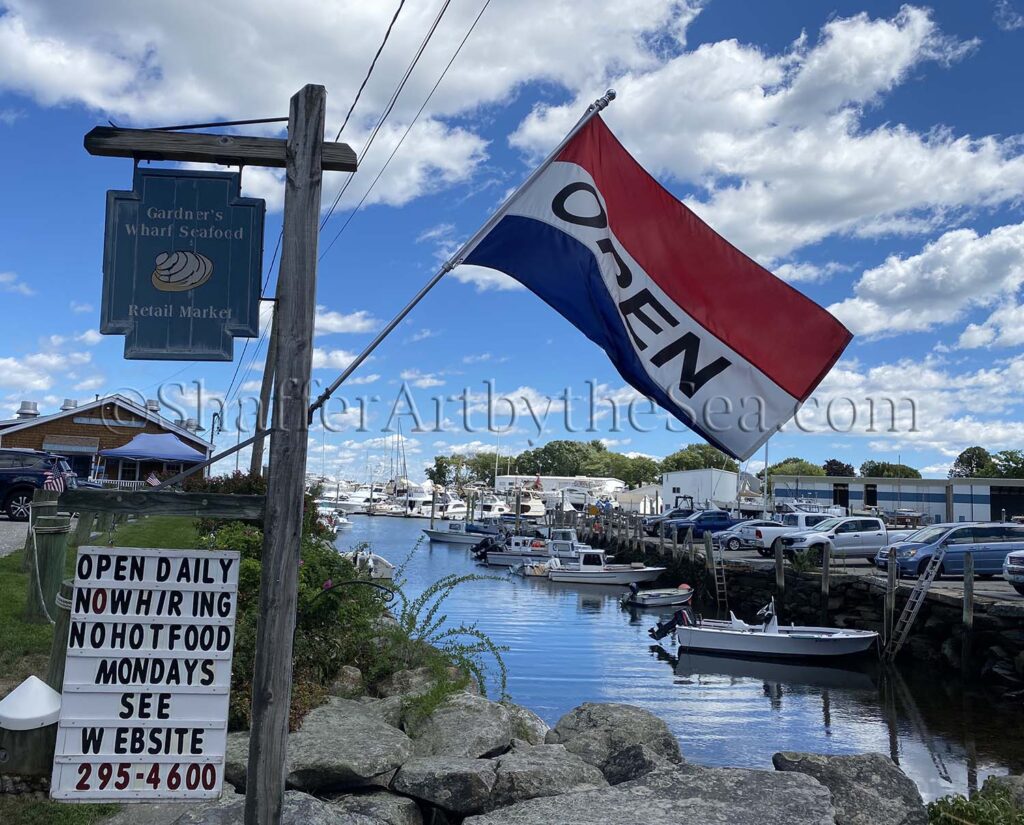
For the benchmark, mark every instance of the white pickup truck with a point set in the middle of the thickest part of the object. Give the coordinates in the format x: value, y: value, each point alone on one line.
x: 849, y: 537
x: 763, y: 538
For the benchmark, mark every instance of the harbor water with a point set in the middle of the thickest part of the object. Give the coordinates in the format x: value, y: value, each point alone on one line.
x: 569, y: 644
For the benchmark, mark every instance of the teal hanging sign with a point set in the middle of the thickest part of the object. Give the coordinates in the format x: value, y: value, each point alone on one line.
x: 182, y: 258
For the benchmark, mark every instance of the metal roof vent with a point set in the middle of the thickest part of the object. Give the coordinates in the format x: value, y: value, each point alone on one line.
x: 69, y: 404
x: 152, y: 405
x: 192, y: 425
x: 28, y: 409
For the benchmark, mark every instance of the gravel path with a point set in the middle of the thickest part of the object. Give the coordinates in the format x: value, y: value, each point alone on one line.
x: 12, y: 536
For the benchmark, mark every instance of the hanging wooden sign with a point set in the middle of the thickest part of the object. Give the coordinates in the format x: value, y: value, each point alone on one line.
x: 182, y: 258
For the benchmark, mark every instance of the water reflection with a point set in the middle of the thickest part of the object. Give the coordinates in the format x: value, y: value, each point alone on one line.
x: 574, y: 643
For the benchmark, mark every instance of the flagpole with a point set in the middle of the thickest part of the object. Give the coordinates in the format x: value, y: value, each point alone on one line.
x: 456, y: 259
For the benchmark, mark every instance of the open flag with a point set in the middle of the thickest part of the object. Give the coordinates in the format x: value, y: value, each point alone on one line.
x: 687, y: 319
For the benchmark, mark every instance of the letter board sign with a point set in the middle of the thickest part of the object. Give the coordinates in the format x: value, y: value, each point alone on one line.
x: 183, y: 253
x: 145, y: 701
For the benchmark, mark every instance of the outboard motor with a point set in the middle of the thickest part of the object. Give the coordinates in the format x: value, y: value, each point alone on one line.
x: 479, y: 550
x: 681, y: 618
x: 634, y: 588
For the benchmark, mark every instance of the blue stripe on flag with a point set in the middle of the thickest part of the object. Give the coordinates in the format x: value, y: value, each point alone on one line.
x: 564, y: 273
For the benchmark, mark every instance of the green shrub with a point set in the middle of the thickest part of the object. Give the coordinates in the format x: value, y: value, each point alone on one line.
x: 991, y: 806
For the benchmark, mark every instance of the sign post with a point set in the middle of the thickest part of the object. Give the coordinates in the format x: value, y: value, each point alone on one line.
x: 282, y: 530
x: 305, y: 155
x: 148, y: 675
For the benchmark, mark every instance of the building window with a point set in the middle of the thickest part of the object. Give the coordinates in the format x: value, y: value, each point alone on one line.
x: 870, y: 495
x: 675, y: 489
x: 841, y: 495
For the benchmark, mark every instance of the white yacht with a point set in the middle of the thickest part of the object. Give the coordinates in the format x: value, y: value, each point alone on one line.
x: 450, y: 506
x: 531, y: 505
x: 361, y: 499
x: 492, y: 507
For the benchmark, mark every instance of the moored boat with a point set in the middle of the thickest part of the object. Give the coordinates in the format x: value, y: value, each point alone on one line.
x: 660, y: 597
x: 593, y: 568
x: 736, y: 637
x: 460, y: 532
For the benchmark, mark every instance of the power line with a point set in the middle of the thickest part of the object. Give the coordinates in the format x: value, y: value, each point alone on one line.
x: 388, y: 108
x: 412, y: 123
x: 369, y: 71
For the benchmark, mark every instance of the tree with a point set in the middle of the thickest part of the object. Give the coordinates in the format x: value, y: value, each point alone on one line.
x: 795, y: 466
x: 887, y: 469
x: 698, y: 457
x: 974, y: 462
x: 443, y: 471
x: 835, y: 467
x: 480, y: 467
x: 1009, y: 464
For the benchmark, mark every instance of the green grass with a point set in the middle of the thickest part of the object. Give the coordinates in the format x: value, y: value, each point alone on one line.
x: 15, y: 810
x: 24, y: 647
x: 156, y: 531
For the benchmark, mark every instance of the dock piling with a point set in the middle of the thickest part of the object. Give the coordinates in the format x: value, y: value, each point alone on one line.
x: 826, y: 580
x: 46, y: 567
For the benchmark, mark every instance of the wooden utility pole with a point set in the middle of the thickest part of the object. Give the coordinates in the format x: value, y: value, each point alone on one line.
x: 256, y: 458
x: 282, y: 534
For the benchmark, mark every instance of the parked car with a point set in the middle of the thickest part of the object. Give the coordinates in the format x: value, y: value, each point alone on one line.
x: 22, y: 472
x: 701, y: 522
x: 764, y: 536
x: 736, y: 537
x: 652, y: 524
x: 849, y: 537
x: 1013, y: 571
x: 990, y: 543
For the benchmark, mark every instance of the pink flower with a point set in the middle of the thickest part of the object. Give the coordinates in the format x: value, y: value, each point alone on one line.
x: 301, y: 562
x: 328, y: 584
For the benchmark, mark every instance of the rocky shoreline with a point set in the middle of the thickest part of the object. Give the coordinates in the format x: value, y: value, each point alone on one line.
x: 362, y: 760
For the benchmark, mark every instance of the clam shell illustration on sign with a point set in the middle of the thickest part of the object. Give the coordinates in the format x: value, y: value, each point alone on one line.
x: 181, y: 271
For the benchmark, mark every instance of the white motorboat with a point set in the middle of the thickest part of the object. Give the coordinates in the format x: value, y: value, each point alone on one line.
x: 531, y: 505
x: 492, y: 507
x: 736, y: 637
x: 661, y: 597
x: 361, y: 499
x: 543, y: 545
x: 593, y: 568
x: 341, y: 523
x: 376, y: 567
x: 460, y: 532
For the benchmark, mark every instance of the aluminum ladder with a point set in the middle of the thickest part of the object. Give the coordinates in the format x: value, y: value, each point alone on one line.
x: 718, y: 568
x: 913, y: 606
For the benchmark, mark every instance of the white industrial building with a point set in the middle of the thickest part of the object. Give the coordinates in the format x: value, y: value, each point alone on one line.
x: 940, y: 499
x: 711, y: 489
x: 553, y: 484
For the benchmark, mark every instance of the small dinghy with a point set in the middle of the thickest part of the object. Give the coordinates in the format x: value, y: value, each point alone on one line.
x: 737, y: 638
x: 663, y: 597
x: 376, y: 567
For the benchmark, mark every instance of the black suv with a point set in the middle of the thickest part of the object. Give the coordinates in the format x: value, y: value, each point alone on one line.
x: 21, y: 473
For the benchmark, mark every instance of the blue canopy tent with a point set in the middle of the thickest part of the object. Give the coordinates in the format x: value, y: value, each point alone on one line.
x: 158, y: 450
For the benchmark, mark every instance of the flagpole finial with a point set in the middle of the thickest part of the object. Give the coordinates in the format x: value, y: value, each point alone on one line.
x: 602, y: 102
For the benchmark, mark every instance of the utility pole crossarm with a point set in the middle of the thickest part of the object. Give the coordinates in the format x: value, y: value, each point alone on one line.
x: 228, y: 150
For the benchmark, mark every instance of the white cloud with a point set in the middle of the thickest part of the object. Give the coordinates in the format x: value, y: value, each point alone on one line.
x: 10, y: 282
x: 807, y: 272
x: 1007, y: 17
x: 79, y: 307
x: 421, y: 380
x: 778, y: 140
x: 328, y: 321
x: 9, y: 116
x: 437, y: 232
x: 1003, y: 328
x: 334, y: 358
x: 363, y: 379
x: 16, y: 374
x: 476, y: 359
x: 92, y: 383
x: 484, y: 279
x: 90, y: 337
x: 958, y: 270
x: 424, y: 334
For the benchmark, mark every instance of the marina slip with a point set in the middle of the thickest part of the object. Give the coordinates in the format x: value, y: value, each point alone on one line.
x: 145, y: 700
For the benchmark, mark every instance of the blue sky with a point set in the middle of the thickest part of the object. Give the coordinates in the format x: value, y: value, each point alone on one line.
x: 869, y: 153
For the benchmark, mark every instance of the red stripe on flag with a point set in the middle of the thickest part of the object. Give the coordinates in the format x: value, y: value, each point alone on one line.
x: 782, y: 332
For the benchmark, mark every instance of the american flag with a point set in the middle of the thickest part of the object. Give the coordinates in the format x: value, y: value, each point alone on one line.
x: 53, y: 481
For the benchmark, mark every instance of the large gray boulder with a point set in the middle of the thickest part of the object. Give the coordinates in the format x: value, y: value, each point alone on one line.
x: 544, y: 770
x: 381, y: 807
x: 681, y: 794
x: 348, y: 684
x: 632, y: 763
x: 526, y: 724
x: 597, y: 732
x: 457, y: 784
x: 344, y: 744
x: 161, y: 813
x: 866, y: 788
x: 299, y: 809
x: 341, y: 745
x: 463, y: 725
